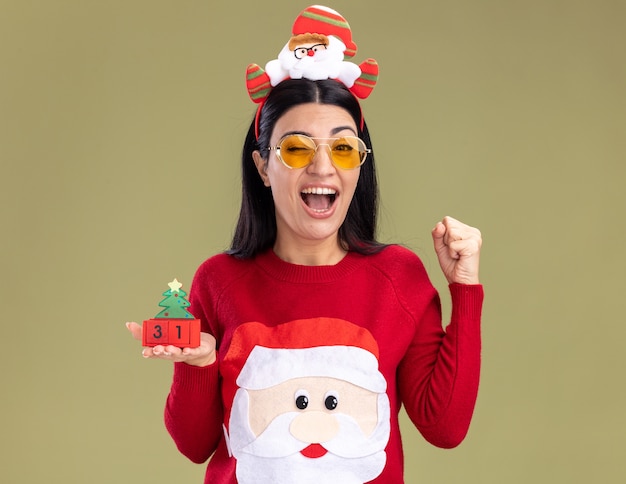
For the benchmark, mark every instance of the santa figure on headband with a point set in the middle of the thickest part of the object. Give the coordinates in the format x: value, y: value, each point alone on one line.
x: 321, y: 40
x: 314, y: 57
x: 308, y: 403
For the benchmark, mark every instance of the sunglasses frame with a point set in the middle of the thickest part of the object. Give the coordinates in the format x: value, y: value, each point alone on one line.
x: 365, y: 151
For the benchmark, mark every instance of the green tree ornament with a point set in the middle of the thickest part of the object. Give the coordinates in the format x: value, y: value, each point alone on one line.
x: 174, y: 303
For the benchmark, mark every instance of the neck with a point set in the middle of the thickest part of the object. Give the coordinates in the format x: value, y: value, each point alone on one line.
x: 316, y: 253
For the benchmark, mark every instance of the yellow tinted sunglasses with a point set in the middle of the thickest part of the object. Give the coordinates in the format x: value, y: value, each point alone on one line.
x: 298, y: 151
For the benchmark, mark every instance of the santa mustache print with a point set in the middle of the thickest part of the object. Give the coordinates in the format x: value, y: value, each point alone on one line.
x: 308, y: 403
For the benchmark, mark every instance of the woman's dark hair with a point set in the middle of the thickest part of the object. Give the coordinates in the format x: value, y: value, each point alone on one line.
x: 256, y: 227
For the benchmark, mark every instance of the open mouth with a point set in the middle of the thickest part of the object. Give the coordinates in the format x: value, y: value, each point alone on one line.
x: 319, y: 199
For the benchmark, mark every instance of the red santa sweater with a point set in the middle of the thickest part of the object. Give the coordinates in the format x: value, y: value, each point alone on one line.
x: 386, y: 300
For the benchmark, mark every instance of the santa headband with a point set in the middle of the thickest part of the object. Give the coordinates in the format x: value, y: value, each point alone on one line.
x: 321, y: 41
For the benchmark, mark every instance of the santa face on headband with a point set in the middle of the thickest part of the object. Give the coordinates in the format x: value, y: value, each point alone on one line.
x: 314, y: 57
x: 309, y: 415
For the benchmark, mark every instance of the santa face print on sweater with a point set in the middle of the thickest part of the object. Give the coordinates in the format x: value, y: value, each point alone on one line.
x: 304, y: 412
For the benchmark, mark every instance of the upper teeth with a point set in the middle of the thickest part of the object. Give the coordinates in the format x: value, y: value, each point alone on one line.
x: 319, y: 191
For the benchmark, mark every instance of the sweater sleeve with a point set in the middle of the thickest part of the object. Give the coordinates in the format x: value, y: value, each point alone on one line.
x: 438, y: 378
x: 193, y: 411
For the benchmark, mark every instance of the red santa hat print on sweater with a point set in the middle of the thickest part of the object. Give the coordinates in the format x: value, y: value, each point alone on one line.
x: 321, y: 40
x: 308, y: 403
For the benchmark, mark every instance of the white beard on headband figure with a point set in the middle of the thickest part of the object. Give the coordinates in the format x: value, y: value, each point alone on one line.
x: 314, y: 57
x: 310, y: 429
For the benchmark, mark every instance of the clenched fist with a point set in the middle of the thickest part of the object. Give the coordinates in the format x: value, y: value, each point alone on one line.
x: 458, y: 249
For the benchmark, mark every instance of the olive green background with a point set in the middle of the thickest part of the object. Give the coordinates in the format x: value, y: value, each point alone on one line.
x: 121, y: 124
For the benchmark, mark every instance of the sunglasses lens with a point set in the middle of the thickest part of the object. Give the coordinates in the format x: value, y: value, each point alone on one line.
x: 348, y: 152
x: 297, y: 151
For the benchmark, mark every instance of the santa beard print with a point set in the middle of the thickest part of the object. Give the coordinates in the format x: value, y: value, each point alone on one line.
x: 275, y: 455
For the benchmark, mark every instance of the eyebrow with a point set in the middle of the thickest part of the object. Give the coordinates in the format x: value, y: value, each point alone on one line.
x: 339, y: 129
x: 333, y: 131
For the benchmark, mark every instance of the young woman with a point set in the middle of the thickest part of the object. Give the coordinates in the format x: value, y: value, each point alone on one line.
x: 314, y: 334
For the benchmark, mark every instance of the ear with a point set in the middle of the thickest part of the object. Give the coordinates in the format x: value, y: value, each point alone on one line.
x: 261, y: 166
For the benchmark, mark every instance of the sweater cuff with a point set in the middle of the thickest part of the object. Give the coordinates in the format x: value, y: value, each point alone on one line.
x: 195, y: 378
x: 467, y: 301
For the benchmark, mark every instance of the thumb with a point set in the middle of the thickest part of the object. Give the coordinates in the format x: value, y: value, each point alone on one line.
x: 438, y: 233
x: 135, y: 330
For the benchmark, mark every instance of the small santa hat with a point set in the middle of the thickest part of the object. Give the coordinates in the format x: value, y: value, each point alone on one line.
x: 318, y: 19
x: 261, y: 356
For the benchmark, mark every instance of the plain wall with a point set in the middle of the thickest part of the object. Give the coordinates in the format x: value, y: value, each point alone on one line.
x: 121, y: 125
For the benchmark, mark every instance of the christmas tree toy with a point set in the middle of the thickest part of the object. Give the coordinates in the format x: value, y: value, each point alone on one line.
x: 174, y: 325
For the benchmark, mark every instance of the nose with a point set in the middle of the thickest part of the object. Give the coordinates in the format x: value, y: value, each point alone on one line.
x: 310, y: 52
x: 314, y: 427
x: 322, y: 163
